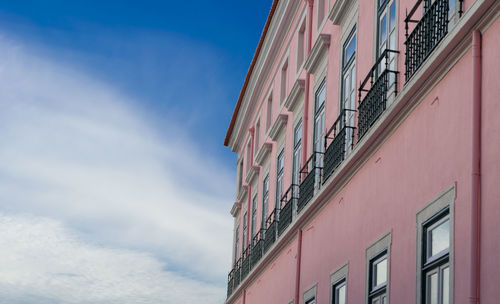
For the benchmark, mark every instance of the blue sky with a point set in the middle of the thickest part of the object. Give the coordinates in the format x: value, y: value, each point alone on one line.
x: 114, y: 183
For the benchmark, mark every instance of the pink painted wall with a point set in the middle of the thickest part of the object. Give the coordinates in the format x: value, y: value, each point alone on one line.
x: 430, y: 151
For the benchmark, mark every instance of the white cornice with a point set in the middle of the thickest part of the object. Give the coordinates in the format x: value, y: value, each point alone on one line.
x: 295, y: 94
x: 340, y: 10
x: 235, y: 209
x: 274, y: 40
x: 242, y: 193
x: 319, y: 50
x: 278, y: 125
x: 263, y: 152
x: 253, y: 172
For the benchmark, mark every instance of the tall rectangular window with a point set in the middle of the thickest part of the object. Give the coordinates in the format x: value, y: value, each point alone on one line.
x: 319, y: 129
x: 254, y: 216
x: 435, y: 263
x: 378, y: 279
x: 284, y: 76
x: 244, y: 243
x: 386, y: 36
x: 269, y: 112
x: 321, y: 12
x: 297, y: 153
x: 240, y: 175
x: 236, y: 242
x: 249, y: 155
x: 339, y: 292
x: 265, y: 200
x: 279, y: 177
x: 301, y: 45
x: 349, y: 84
x: 257, y: 137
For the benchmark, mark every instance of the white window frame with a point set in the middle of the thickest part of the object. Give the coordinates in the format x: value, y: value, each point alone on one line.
x: 379, y: 248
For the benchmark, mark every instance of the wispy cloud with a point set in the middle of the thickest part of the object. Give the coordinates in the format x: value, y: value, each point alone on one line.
x: 86, y: 160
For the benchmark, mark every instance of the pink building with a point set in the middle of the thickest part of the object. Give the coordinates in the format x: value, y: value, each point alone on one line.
x: 368, y: 142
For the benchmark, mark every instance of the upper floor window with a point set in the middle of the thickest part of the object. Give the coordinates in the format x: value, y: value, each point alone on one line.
x: 249, y: 155
x: 297, y: 153
x: 244, y: 237
x: 321, y: 12
x: 349, y: 84
x: 265, y: 200
x: 254, y: 216
x: 257, y: 137
x: 319, y: 130
x: 240, y: 175
x: 386, y: 36
x: 269, y: 111
x: 301, y: 45
x: 284, y: 75
x: 279, y: 177
x: 236, y: 242
x: 378, y: 279
x: 435, y: 264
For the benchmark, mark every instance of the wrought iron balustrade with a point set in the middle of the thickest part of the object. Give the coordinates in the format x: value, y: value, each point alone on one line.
x: 237, y: 274
x: 271, y: 233
x: 341, y: 135
x: 257, y: 248
x: 375, y: 100
x: 427, y: 33
x: 312, y: 171
x: 230, y: 281
x: 288, y: 204
x: 245, y: 263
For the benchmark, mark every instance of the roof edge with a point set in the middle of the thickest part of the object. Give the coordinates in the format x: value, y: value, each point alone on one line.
x: 249, y: 73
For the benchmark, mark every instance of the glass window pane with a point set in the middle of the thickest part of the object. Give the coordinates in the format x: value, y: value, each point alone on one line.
x: 393, y: 16
x: 446, y: 285
x: 432, y: 288
x: 341, y: 295
x: 381, y: 272
x: 349, y: 50
x: 440, y: 238
x: 383, y: 30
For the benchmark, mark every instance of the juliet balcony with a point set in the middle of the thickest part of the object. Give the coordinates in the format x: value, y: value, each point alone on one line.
x: 427, y: 32
x: 271, y: 233
x: 341, y: 135
x: 288, y: 206
x: 383, y: 83
x: 311, y: 171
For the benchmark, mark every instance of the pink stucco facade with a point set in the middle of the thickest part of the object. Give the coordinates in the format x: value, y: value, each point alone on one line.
x: 419, y: 153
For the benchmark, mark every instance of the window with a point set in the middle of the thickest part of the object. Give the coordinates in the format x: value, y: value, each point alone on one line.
x: 236, y: 241
x: 279, y: 177
x: 244, y: 238
x: 269, y: 111
x: 435, y: 263
x: 386, y: 36
x: 319, y: 128
x: 256, y: 137
x: 254, y: 216
x: 240, y: 175
x: 435, y: 250
x: 265, y: 200
x: 284, y: 72
x: 339, y: 292
x: 301, y: 39
x: 297, y: 153
x: 310, y: 296
x: 311, y: 301
x: 377, y: 270
x: 249, y: 155
x: 378, y: 279
x: 349, y: 85
x: 321, y: 12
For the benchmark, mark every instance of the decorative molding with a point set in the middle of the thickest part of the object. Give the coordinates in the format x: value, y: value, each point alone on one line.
x: 340, y: 10
x: 235, y: 209
x: 295, y: 93
x: 254, y: 170
x: 278, y: 125
x: 243, y: 191
x: 319, y: 50
x: 264, y: 150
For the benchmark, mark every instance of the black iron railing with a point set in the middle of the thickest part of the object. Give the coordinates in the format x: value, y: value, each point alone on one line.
x: 312, y: 172
x: 375, y: 101
x: 257, y: 248
x: 288, y: 205
x: 237, y: 274
x: 245, y: 263
x: 427, y: 33
x: 230, y: 281
x: 341, y: 135
x: 271, y: 233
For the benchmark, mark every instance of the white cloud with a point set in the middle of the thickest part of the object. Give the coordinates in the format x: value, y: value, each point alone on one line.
x: 43, y: 262
x: 78, y: 152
